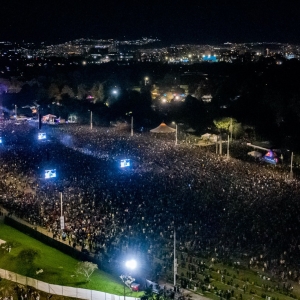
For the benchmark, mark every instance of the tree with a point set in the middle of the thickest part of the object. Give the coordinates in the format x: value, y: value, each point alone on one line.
x: 27, y: 256
x: 81, y: 91
x: 201, y: 90
x: 66, y: 90
x: 97, y: 92
x: 54, y: 92
x: 224, y: 124
x: 86, y: 269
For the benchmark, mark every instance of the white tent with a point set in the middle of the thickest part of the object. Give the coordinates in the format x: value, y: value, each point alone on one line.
x: 205, y: 136
x: 209, y: 137
x: 163, y: 128
x: 190, y: 130
x: 48, y: 118
x: 255, y: 154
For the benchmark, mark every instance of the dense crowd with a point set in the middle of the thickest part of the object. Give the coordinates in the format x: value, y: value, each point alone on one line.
x: 219, y: 207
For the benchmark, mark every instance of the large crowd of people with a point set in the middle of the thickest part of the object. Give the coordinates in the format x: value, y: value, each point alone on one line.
x: 218, y: 207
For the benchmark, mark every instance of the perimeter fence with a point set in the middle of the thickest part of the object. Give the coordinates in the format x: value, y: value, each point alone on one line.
x: 55, y: 289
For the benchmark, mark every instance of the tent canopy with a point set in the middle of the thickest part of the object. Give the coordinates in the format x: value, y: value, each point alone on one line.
x: 209, y: 137
x: 190, y: 130
x: 205, y: 136
x: 163, y: 128
x: 49, y: 116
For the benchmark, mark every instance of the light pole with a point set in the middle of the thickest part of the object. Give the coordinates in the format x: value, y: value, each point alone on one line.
x: 62, y: 220
x: 130, y: 265
x: 176, y: 133
x: 146, y: 80
x: 175, y: 259
x: 228, y: 148
x: 231, y: 128
x: 91, y: 119
x: 291, y: 170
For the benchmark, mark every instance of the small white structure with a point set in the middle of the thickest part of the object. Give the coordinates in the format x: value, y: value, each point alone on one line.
x: 209, y: 137
x: 49, y: 118
x: 206, y: 98
x: 255, y: 154
x: 72, y: 119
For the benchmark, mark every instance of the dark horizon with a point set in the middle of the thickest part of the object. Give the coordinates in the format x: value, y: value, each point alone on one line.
x: 212, y: 22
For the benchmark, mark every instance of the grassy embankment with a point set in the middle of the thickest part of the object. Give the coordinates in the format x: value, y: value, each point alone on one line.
x: 58, y: 268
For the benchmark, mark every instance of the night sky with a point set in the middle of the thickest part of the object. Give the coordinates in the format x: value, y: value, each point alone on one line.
x: 172, y: 21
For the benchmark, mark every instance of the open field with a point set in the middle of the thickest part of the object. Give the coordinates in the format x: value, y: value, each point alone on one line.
x: 58, y: 268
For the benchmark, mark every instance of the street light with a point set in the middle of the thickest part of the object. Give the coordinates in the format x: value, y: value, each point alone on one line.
x: 130, y: 265
x: 131, y: 123
x: 291, y: 170
x: 15, y: 110
x: 176, y: 133
x: 62, y: 219
x: 146, y: 80
x: 228, y: 147
x: 91, y: 119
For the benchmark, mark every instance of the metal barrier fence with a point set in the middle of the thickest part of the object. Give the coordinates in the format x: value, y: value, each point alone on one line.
x: 60, y: 289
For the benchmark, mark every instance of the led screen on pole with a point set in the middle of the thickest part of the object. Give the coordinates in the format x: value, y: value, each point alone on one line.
x: 50, y: 173
x: 42, y: 136
x: 125, y: 163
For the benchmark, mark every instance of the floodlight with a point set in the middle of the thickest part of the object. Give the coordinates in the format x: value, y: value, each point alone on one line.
x: 131, y: 264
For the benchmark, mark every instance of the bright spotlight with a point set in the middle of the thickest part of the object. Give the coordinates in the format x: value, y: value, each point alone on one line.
x: 131, y: 264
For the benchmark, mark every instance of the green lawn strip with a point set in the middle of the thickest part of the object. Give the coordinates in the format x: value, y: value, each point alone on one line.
x: 58, y: 268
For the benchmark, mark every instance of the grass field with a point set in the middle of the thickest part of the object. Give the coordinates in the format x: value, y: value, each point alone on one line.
x: 58, y: 268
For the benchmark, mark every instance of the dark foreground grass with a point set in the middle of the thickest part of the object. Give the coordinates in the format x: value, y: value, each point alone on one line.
x: 58, y: 268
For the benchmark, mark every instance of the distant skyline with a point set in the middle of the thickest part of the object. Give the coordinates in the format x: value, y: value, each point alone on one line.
x: 215, y: 21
